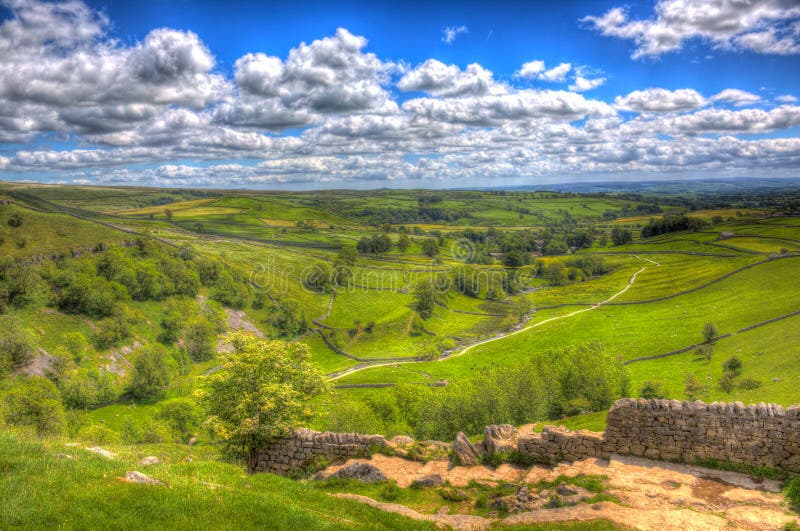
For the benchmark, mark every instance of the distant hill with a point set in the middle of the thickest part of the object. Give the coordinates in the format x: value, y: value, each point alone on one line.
x: 694, y: 186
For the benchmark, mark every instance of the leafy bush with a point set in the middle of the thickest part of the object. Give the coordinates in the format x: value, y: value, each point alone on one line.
x: 152, y: 372
x: 182, y: 415
x: 34, y: 401
x: 15, y: 220
x: 116, y: 328
x: 652, y: 389
x: 17, y: 346
x: 748, y: 384
x: 199, y: 339
x: 287, y: 319
x: 99, y: 434
x: 87, y: 388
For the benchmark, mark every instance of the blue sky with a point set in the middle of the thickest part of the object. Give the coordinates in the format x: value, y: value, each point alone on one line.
x: 501, y: 36
x: 181, y: 93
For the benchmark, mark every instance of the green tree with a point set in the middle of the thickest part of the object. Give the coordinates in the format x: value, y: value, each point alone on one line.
x: 152, y: 373
x: 348, y: 255
x: 230, y: 289
x: 287, y: 318
x: 692, y: 387
x: 403, y: 242
x: 17, y: 346
x: 706, y: 351
x: 76, y: 345
x: 516, y: 259
x: 430, y: 247
x: 556, y: 273
x: 555, y: 246
x: 589, y: 372
x: 732, y: 365
x: 709, y: 332
x: 425, y: 298
x: 261, y: 393
x: 199, y: 339
x: 171, y: 326
x: 34, y: 401
x: 726, y: 383
x: 652, y: 389
x: 620, y: 236
x: 116, y: 328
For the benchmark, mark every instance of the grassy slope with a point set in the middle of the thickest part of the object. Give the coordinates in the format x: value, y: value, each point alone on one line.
x: 759, y: 293
x: 40, y: 490
x: 754, y: 295
x: 46, y: 233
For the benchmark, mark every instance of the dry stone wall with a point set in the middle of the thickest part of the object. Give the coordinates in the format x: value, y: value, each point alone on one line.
x: 757, y: 435
x: 304, y: 448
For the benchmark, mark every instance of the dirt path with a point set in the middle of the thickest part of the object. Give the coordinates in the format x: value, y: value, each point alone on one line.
x: 467, y: 348
x: 649, y: 494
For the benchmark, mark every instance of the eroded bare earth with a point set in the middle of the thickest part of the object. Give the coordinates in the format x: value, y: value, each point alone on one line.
x: 649, y: 494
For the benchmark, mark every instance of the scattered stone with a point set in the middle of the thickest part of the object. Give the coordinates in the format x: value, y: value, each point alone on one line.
x: 566, y: 490
x: 360, y: 471
x: 402, y: 440
x: 444, y: 509
x: 133, y: 476
x: 508, y: 504
x: 431, y: 480
x: 500, y: 438
x: 524, y: 494
x: 102, y: 451
x: 464, y: 451
x: 149, y: 460
x: 192, y: 441
x: 454, y: 495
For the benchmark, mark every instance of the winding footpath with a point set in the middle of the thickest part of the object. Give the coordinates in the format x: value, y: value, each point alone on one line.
x: 467, y: 348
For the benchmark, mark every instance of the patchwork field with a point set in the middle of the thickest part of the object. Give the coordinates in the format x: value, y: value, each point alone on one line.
x: 650, y: 298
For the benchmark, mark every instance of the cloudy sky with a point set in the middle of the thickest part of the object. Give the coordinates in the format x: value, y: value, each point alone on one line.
x: 359, y: 94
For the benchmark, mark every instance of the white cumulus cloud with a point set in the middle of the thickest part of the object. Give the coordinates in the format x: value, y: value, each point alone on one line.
x: 761, y: 26
x: 450, y: 33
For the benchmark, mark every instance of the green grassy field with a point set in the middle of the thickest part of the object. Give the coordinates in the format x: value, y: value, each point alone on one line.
x: 682, y: 280
x: 652, y: 297
x: 40, y: 491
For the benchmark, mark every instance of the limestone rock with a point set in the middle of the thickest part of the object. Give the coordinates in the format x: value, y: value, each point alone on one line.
x: 362, y: 472
x: 464, y: 451
x: 566, y: 490
x: 402, y: 440
x: 500, y: 438
x: 149, y: 460
x: 431, y: 480
x: 102, y: 451
x: 133, y: 476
